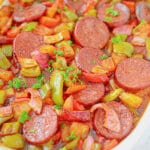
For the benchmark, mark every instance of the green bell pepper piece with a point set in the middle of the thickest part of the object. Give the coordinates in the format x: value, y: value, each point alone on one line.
x: 56, y: 84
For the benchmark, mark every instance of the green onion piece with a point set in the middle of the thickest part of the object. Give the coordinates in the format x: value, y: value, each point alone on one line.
x: 108, y: 19
x: 58, y: 53
x: 103, y: 56
x: 119, y: 38
x: 71, y: 137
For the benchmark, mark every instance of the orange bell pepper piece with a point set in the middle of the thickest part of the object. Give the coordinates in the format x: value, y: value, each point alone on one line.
x: 75, y: 88
x: 108, y: 64
x: 51, y: 11
x: 50, y: 22
x: 68, y: 104
x: 6, y: 75
x: 117, y: 58
x: 43, y: 30
x: 12, y: 33
x: 66, y: 34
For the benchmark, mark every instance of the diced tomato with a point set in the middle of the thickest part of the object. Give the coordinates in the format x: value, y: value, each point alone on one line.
x: 12, y: 33
x: 77, y: 106
x: 130, y: 4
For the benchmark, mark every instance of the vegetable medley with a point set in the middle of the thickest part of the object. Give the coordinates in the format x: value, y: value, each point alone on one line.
x: 74, y: 74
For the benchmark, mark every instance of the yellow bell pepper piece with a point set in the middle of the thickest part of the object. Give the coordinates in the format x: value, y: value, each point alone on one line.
x: 112, y: 95
x: 2, y: 96
x: 31, y: 72
x: 10, y: 128
x: 27, y: 62
x: 148, y: 48
x: 83, y: 132
x: 13, y: 141
x: 4, y: 62
x: 131, y: 100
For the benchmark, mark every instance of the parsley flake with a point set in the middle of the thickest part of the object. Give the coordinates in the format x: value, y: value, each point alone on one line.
x: 23, y: 117
x: 108, y: 19
x: 71, y: 137
x: 103, y: 56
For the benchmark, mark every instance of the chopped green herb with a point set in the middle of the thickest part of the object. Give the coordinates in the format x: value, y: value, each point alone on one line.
x: 49, y: 69
x: 62, y: 125
x: 103, y: 56
x: 69, y: 42
x: 71, y: 137
x: 58, y: 53
x: 57, y: 106
x: 119, y: 38
x: 23, y: 117
x: 143, y: 21
x: 39, y: 81
x: 65, y: 8
x: 112, y: 12
x: 30, y: 26
x: 17, y: 83
x: 76, y: 76
x: 108, y: 19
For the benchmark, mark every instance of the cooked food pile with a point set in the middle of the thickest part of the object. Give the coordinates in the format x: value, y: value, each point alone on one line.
x: 74, y: 74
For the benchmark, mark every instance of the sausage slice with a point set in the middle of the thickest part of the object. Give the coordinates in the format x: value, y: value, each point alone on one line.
x: 28, y: 13
x: 133, y: 74
x: 25, y: 43
x: 40, y: 128
x: 91, y: 32
x: 87, y: 58
x: 91, y: 95
x: 143, y: 11
x: 125, y: 117
x: 118, y: 20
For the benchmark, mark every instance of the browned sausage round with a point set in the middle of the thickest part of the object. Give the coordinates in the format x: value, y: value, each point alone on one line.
x: 133, y: 74
x: 91, y: 95
x: 143, y: 11
x: 91, y: 32
x: 87, y: 58
x: 75, y: 5
x: 125, y: 117
x: 40, y: 128
x: 25, y: 43
x: 118, y: 20
x: 29, y: 13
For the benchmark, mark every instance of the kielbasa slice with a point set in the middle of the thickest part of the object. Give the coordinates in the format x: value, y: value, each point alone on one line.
x: 143, y: 11
x: 118, y: 20
x: 28, y: 13
x: 87, y: 58
x: 91, y: 32
x: 39, y: 128
x: 91, y: 95
x: 25, y: 43
x: 125, y: 117
x: 133, y: 74
x: 75, y: 5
